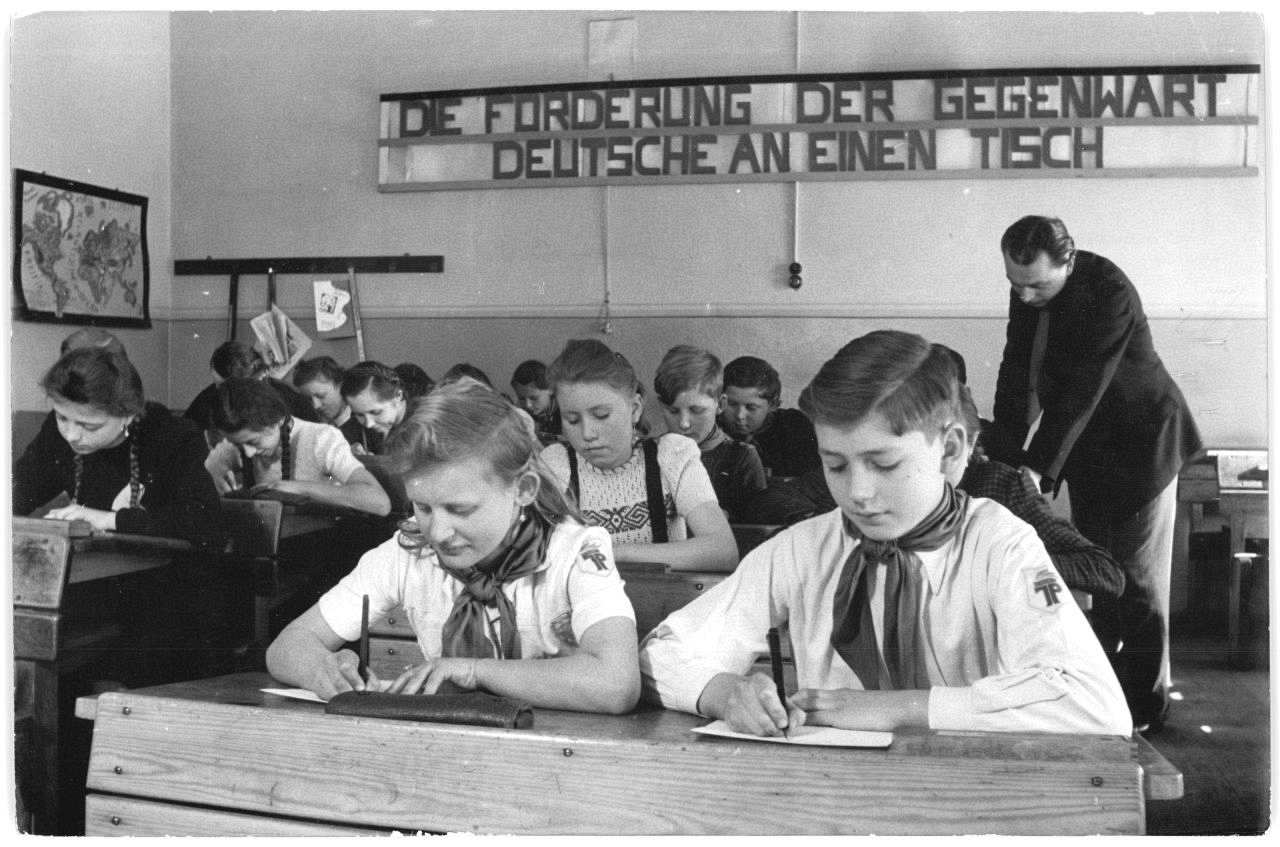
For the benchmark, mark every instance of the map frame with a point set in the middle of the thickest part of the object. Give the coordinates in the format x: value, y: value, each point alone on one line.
x: 78, y: 196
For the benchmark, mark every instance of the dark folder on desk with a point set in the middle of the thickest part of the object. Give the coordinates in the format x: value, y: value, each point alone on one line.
x: 474, y: 707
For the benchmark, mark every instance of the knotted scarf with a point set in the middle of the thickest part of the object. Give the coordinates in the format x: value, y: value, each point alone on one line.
x: 467, y: 631
x: 853, y: 634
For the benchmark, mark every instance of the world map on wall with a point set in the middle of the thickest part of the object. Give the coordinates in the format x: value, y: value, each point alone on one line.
x: 81, y: 254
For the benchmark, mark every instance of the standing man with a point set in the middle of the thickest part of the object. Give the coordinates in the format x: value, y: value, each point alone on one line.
x: 1078, y: 357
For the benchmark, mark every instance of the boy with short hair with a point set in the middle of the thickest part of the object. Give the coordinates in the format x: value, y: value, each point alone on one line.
x: 913, y: 604
x: 688, y: 383
x: 784, y: 439
x: 752, y: 413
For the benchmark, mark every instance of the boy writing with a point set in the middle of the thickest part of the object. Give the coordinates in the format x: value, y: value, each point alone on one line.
x: 912, y: 604
x: 688, y: 383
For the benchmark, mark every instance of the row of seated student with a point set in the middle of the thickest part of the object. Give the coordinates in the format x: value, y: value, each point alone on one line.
x: 485, y: 526
x: 910, y: 604
x: 688, y: 384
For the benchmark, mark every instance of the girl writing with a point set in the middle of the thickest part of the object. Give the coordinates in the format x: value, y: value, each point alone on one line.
x: 494, y: 571
x: 654, y: 496
x: 127, y: 465
x: 273, y: 454
x: 378, y: 398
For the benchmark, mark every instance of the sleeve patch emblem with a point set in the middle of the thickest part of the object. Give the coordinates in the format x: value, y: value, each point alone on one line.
x: 1045, y: 589
x: 592, y: 556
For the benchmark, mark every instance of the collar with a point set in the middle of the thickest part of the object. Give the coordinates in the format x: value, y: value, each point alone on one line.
x: 714, y: 440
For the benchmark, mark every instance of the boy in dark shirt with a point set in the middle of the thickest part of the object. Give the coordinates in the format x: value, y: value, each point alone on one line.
x: 784, y: 439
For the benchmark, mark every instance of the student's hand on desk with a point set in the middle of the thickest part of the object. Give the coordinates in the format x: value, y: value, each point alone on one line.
x: 99, y: 519
x: 752, y: 707
x: 358, y: 449
x: 427, y: 677
x: 339, y: 672
x: 852, y: 708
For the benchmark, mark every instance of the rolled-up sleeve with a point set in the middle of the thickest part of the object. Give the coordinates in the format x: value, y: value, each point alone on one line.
x: 720, y: 632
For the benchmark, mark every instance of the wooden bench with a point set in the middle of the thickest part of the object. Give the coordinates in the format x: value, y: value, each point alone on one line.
x: 262, y: 533
x: 655, y: 590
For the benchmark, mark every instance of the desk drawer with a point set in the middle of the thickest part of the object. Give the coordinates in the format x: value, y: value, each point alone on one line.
x: 394, y: 623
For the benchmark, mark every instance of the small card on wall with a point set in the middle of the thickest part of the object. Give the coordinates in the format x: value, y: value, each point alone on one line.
x: 333, y: 309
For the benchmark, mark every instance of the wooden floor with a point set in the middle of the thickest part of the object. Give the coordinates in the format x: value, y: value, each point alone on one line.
x: 1219, y: 735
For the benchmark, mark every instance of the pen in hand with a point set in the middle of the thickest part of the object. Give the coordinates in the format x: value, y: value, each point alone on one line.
x: 775, y: 660
x: 363, y: 666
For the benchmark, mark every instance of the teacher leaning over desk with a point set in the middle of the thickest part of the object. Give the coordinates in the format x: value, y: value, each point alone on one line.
x: 1112, y: 423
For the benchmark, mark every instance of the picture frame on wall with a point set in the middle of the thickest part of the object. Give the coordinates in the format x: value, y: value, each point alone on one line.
x: 80, y: 253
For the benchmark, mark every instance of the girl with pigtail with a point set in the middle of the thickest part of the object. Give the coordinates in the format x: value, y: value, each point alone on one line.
x: 127, y: 465
x: 494, y: 570
x: 269, y: 453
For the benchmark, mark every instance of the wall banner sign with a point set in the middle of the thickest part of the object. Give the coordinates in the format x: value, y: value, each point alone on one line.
x: 1051, y: 122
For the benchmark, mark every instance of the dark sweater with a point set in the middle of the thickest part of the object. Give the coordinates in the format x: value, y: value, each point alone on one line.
x: 178, y: 500
x: 736, y: 474
x: 787, y: 444
x: 1083, y: 565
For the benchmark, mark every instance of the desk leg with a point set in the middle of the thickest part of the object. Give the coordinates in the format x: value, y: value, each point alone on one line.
x: 38, y: 771
x: 1235, y: 581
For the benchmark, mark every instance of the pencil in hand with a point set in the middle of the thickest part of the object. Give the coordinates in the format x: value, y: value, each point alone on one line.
x: 775, y: 660
x: 363, y: 666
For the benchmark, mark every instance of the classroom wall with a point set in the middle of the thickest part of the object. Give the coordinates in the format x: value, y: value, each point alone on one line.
x: 274, y: 152
x: 89, y: 101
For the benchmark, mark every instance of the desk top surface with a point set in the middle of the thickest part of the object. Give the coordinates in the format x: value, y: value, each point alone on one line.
x: 650, y: 724
x: 223, y: 744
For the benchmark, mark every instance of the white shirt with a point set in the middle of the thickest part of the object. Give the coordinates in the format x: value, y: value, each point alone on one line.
x: 616, y: 498
x: 577, y: 586
x: 319, y: 452
x: 1001, y: 654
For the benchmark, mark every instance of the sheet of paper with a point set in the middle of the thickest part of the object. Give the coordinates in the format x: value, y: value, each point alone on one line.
x: 816, y: 736
x: 295, y: 693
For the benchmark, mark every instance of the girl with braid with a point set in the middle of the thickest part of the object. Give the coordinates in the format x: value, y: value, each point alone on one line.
x: 126, y: 464
x: 505, y: 588
x: 269, y: 453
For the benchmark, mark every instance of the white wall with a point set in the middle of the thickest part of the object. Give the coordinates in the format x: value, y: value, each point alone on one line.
x: 274, y: 152
x: 89, y: 101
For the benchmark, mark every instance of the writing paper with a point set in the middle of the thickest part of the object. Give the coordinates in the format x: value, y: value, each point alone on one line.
x: 295, y: 694
x: 814, y: 736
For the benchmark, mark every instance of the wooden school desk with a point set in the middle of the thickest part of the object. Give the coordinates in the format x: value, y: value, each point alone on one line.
x: 219, y: 757
x: 52, y: 633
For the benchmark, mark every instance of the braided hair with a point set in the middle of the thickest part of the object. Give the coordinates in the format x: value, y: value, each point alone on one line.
x: 104, y: 380
x: 135, y: 475
x: 286, y: 456
x: 247, y: 403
